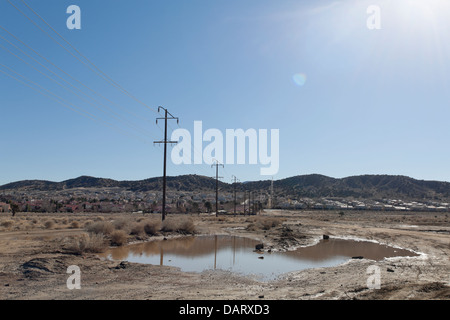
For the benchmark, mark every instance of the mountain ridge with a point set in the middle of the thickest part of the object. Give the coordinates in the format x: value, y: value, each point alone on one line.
x: 310, y: 185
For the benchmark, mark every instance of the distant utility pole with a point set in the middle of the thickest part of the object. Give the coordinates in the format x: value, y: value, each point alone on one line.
x: 250, y: 207
x: 245, y: 196
x: 234, y: 189
x: 217, y: 164
x: 271, y: 195
x: 165, y: 142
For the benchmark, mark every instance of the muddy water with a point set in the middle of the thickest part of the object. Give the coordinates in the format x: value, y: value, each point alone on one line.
x: 237, y: 254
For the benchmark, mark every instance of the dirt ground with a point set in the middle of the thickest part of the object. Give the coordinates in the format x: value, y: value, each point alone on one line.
x: 34, y: 259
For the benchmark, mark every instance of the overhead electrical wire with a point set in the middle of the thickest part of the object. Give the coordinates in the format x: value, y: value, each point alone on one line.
x: 87, y: 62
x: 73, y: 78
x: 61, y: 100
x: 90, y: 63
x: 114, y: 114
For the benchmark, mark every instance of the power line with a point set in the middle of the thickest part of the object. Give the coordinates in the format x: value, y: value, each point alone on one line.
x: 62, y: 101
x: 70, y: 76
x: 114, y: 114
x: 90, y: 63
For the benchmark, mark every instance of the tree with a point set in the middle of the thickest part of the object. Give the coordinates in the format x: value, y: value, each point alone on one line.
x: 14, y: 208
x: 195, y: 207
x: 208, y: 206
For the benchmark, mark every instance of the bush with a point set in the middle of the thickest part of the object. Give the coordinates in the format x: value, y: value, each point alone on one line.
x: 87, y: 223
x: 88, y: 242
x: 74, y: 225
x: 7, y: 223
x: 184, y: 226
x: 263, y: 223
x: 270, y: 223
x: 49, y: 224
x: 102, y: 227
x: 121, y: 224
x: 137, y: 229
x: 169, y: 225
x: 118, y: 237
x: 151, y: 227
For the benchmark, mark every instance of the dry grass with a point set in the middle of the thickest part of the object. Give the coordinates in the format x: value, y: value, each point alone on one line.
x: 185, y: 226
x: 88, y: 242
x: 151, y: 228
x: 122, y: 224
x: 74, y: 225
x: 7, y: 223
x: 103, y: 227
x: 263, y: 223
x: 49, y: 224
x: 137, y: 229
x: 119, y: 237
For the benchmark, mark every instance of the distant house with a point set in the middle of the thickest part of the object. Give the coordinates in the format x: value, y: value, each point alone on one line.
x: 4, y: 207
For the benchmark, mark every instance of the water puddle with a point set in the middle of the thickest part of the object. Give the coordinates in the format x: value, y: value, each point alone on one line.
x: 237, y: 254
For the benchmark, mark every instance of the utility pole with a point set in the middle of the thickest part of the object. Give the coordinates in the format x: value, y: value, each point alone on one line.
x: 250, y: 209
x: 234, y: 189
x: 217, y: 164
x: 165, y: 142
x: 245, y: 196
x: 270, y: 204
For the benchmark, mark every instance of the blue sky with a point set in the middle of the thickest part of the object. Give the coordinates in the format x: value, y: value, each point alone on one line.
x: 371, y: 101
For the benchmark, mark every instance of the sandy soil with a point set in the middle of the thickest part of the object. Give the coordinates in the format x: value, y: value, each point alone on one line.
x: 34, y: 262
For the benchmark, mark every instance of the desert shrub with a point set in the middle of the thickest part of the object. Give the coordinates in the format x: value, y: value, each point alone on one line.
x: 49, y: 224
x: 88, y: 242
x: 121, y: 224
x: 137, y: 229
x: 169, y: 225
x: 99, y: 218
x: 253, y: 227
x: 87, y: 223
x: 103, y: 227
x: 186, y: 226
x: 75, y: 225
x: 118, y: 237
x: 151, y: 227
x: 270, y: 223
x: 7, y: 223
x: 263, y: 223
x: 180, y: 226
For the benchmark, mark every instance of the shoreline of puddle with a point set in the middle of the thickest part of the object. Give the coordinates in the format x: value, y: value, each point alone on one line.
x: 290, y: 253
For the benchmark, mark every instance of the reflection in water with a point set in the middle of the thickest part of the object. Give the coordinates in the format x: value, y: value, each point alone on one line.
x: 237, y: 254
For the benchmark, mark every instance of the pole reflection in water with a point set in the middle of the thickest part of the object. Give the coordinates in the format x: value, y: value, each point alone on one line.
x: 236, y: 254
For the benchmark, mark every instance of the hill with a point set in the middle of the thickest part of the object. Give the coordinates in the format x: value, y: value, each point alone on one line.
x: 313, y: 186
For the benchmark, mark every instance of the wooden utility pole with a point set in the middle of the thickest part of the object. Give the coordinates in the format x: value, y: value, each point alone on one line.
x: 234, y: 189
x: 217, y: 164
x: 165, y: 142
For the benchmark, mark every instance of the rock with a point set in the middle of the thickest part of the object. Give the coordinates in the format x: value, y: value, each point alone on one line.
x: 389, y: 270
x: 121, y: 265
x: 260, y: 257
x: 259, y: 246
x: 326, y: 237
x: 358, y: 257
